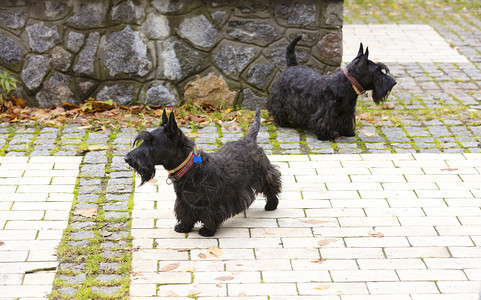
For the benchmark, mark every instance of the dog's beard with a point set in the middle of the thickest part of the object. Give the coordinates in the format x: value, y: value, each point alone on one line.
x: 144, y: 169
x: 383, y: 84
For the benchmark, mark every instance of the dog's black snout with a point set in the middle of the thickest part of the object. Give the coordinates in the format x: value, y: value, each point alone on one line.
x: 128, y: 159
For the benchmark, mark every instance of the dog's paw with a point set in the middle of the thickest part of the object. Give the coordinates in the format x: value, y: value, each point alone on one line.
x: 206, y: 232
x: 270, y: 206
x: 181, y: 228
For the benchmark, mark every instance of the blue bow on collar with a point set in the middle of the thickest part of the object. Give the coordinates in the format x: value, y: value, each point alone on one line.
x: 197, y: 159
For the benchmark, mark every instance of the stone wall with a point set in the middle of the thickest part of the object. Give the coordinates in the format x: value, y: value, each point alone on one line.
x: 146, y: 51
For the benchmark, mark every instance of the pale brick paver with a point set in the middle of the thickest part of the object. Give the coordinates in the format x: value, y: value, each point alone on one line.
x: 397, y: 226
x: 404, y: 43
x: 33, y: 214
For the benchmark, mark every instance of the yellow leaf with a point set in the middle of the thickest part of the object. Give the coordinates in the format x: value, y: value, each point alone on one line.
x: 323, y: 287
x: 367, y: 133
x: 228, y: 110
x: 214, y: 251
x: 98, y: 148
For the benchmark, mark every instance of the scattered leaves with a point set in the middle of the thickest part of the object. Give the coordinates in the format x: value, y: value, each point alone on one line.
x: 215, y: 252
x: 169, y: 267
x: 375, y: 233
x: 86, y: 212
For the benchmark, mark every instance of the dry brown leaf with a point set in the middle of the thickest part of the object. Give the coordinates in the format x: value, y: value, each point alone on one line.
x: 169, y: 267
x: 202, y: 255
x: 2, y: 243
x: 388, y: 106
x: 449, y: 169
x: 315, y: 221
x: 225, y: 278
x: 86, y: 212
x: 323, y: 287
x: 318, y: 261
x: 375, y: 233
x: 363, y: 116
x: 214, y: 251
x: 153, y: 180
x: 171, y: 293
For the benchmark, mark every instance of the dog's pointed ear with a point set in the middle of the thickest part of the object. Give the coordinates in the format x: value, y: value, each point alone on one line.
x: 363, y: 59
x: 361, y: 50
x: 165, y: 119
x: 171, y: 127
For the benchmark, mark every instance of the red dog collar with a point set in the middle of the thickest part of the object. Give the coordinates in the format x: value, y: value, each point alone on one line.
x: 355, y: 84
x: 185, y: 166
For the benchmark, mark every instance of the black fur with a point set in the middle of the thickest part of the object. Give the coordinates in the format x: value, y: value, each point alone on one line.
x: 223, y: 185
x: 325, y: 105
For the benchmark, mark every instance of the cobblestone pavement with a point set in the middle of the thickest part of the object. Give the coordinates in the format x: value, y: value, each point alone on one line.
x: 411, y: 173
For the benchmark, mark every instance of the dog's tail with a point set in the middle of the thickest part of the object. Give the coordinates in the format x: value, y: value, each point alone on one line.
x: 291, y: 52
x: 256, y: 126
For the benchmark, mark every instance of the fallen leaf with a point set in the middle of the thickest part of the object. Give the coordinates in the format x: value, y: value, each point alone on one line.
x: 315, y: 221
x: 363, y: 116
x: 214, y: 251
x: 188, y: 269
x: 192, y: 134
x: 171, y: 293
x: 367, y: 133
x: 86, y: 212
x: 388, y: 106
x: 2, y: 243
x: 225, y: 278
x: 97, y: 148
x: 375, y: 233
x: 449, y: 169
x: 219, y: 285
x: 242, y: 295
x: 153, y: 180
x: 318, y: 261
x: 325, y: 242
x: 322, y: 287
x: 169, y: 267
x: 228, y: 110
x: 202, y: 255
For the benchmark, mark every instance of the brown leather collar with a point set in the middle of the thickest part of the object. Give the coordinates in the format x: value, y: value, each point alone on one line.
x: 355, y: 84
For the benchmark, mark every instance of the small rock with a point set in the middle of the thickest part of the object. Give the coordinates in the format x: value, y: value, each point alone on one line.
x: 211, y: 89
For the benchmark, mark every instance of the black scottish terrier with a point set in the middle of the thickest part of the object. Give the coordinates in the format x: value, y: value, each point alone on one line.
x: 326, y: 105
x: 210, y: 187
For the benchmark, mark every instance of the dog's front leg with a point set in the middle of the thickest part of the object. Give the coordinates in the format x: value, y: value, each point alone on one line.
x: 185, y: 217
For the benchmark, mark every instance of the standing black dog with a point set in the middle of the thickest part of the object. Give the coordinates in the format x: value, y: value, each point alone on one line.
x: 210, y: 187
x: 326, y: 105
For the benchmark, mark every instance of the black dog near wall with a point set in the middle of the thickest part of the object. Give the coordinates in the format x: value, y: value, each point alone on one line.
x: 326, y: 105
x: 210, y: 187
